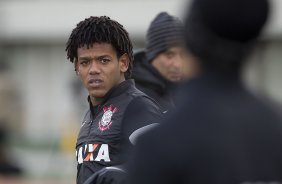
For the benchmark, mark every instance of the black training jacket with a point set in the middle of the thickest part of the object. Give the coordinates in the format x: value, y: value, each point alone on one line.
x: 107, y: 130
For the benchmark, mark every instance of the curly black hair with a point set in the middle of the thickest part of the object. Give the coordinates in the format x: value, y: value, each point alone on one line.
x: 100, y: 30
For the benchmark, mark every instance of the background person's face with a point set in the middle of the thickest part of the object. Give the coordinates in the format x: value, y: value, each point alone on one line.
x: 170, y: 63
x: 99, y: 68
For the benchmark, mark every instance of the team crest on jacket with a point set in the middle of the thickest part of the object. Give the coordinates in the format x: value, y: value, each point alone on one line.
x: 106, y: 120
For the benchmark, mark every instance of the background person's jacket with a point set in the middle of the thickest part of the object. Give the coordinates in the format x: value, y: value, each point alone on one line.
x: 103, y: 139
x: 150, y: 81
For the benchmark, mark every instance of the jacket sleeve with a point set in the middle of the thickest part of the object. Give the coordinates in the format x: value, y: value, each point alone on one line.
x: 108, y: 175
x: 141, y: 115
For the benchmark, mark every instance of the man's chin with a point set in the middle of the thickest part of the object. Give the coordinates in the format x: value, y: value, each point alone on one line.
x: 97, y: 94
x: 176, y: 79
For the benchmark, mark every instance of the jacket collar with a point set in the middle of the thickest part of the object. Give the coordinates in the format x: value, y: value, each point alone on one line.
x: 144, y: 72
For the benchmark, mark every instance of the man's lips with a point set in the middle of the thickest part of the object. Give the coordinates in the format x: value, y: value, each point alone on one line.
x: 175, y: 75
x: 95, y: 83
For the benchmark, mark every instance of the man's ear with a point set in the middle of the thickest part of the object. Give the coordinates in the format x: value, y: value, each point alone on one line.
x: 76, y: 67
x: 124, y: 63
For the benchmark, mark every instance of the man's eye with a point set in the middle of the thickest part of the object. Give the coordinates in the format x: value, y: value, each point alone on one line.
x: 104, y: 60
x: 84, y: 62
x: 170, y: 54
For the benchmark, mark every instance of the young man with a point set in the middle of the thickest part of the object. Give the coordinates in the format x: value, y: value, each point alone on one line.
x: 101, y: 51
x: 159, y: 68
x: 221, y: 133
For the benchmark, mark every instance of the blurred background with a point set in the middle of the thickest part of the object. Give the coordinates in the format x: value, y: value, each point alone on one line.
x: 41, y: 99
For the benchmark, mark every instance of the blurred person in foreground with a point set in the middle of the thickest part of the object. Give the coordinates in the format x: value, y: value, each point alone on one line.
x: 158, y: 69
x: 101, y: 51
x: 221, y: 133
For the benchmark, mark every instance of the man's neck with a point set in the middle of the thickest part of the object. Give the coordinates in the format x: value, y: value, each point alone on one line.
x: 96, y: 101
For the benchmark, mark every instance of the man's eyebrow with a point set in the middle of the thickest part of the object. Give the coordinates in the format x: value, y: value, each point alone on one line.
x: 103, y: 56
x: 96, y: 57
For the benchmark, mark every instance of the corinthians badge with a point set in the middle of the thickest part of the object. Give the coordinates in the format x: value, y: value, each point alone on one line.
x: 106, y: 119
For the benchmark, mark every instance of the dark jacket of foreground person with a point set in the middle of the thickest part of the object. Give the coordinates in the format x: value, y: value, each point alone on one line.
x: 222, y: 133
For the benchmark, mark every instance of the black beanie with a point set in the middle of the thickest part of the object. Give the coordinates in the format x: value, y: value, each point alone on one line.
x: 222, y: 32
x: 164, y: 32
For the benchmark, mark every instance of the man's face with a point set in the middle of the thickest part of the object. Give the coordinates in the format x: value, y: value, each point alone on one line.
x: 99, y: 69
x: 170, y: 63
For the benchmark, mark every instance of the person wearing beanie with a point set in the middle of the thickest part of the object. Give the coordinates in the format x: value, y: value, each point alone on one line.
x: 157, y: 69
x: 221, y: 133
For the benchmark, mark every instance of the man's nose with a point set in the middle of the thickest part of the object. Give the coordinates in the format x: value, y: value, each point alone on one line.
x: 177, y: 62
x: 94, y: 68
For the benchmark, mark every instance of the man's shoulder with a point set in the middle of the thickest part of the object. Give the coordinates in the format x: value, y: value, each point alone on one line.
x: 139, y: 96
x: 134, y: 92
